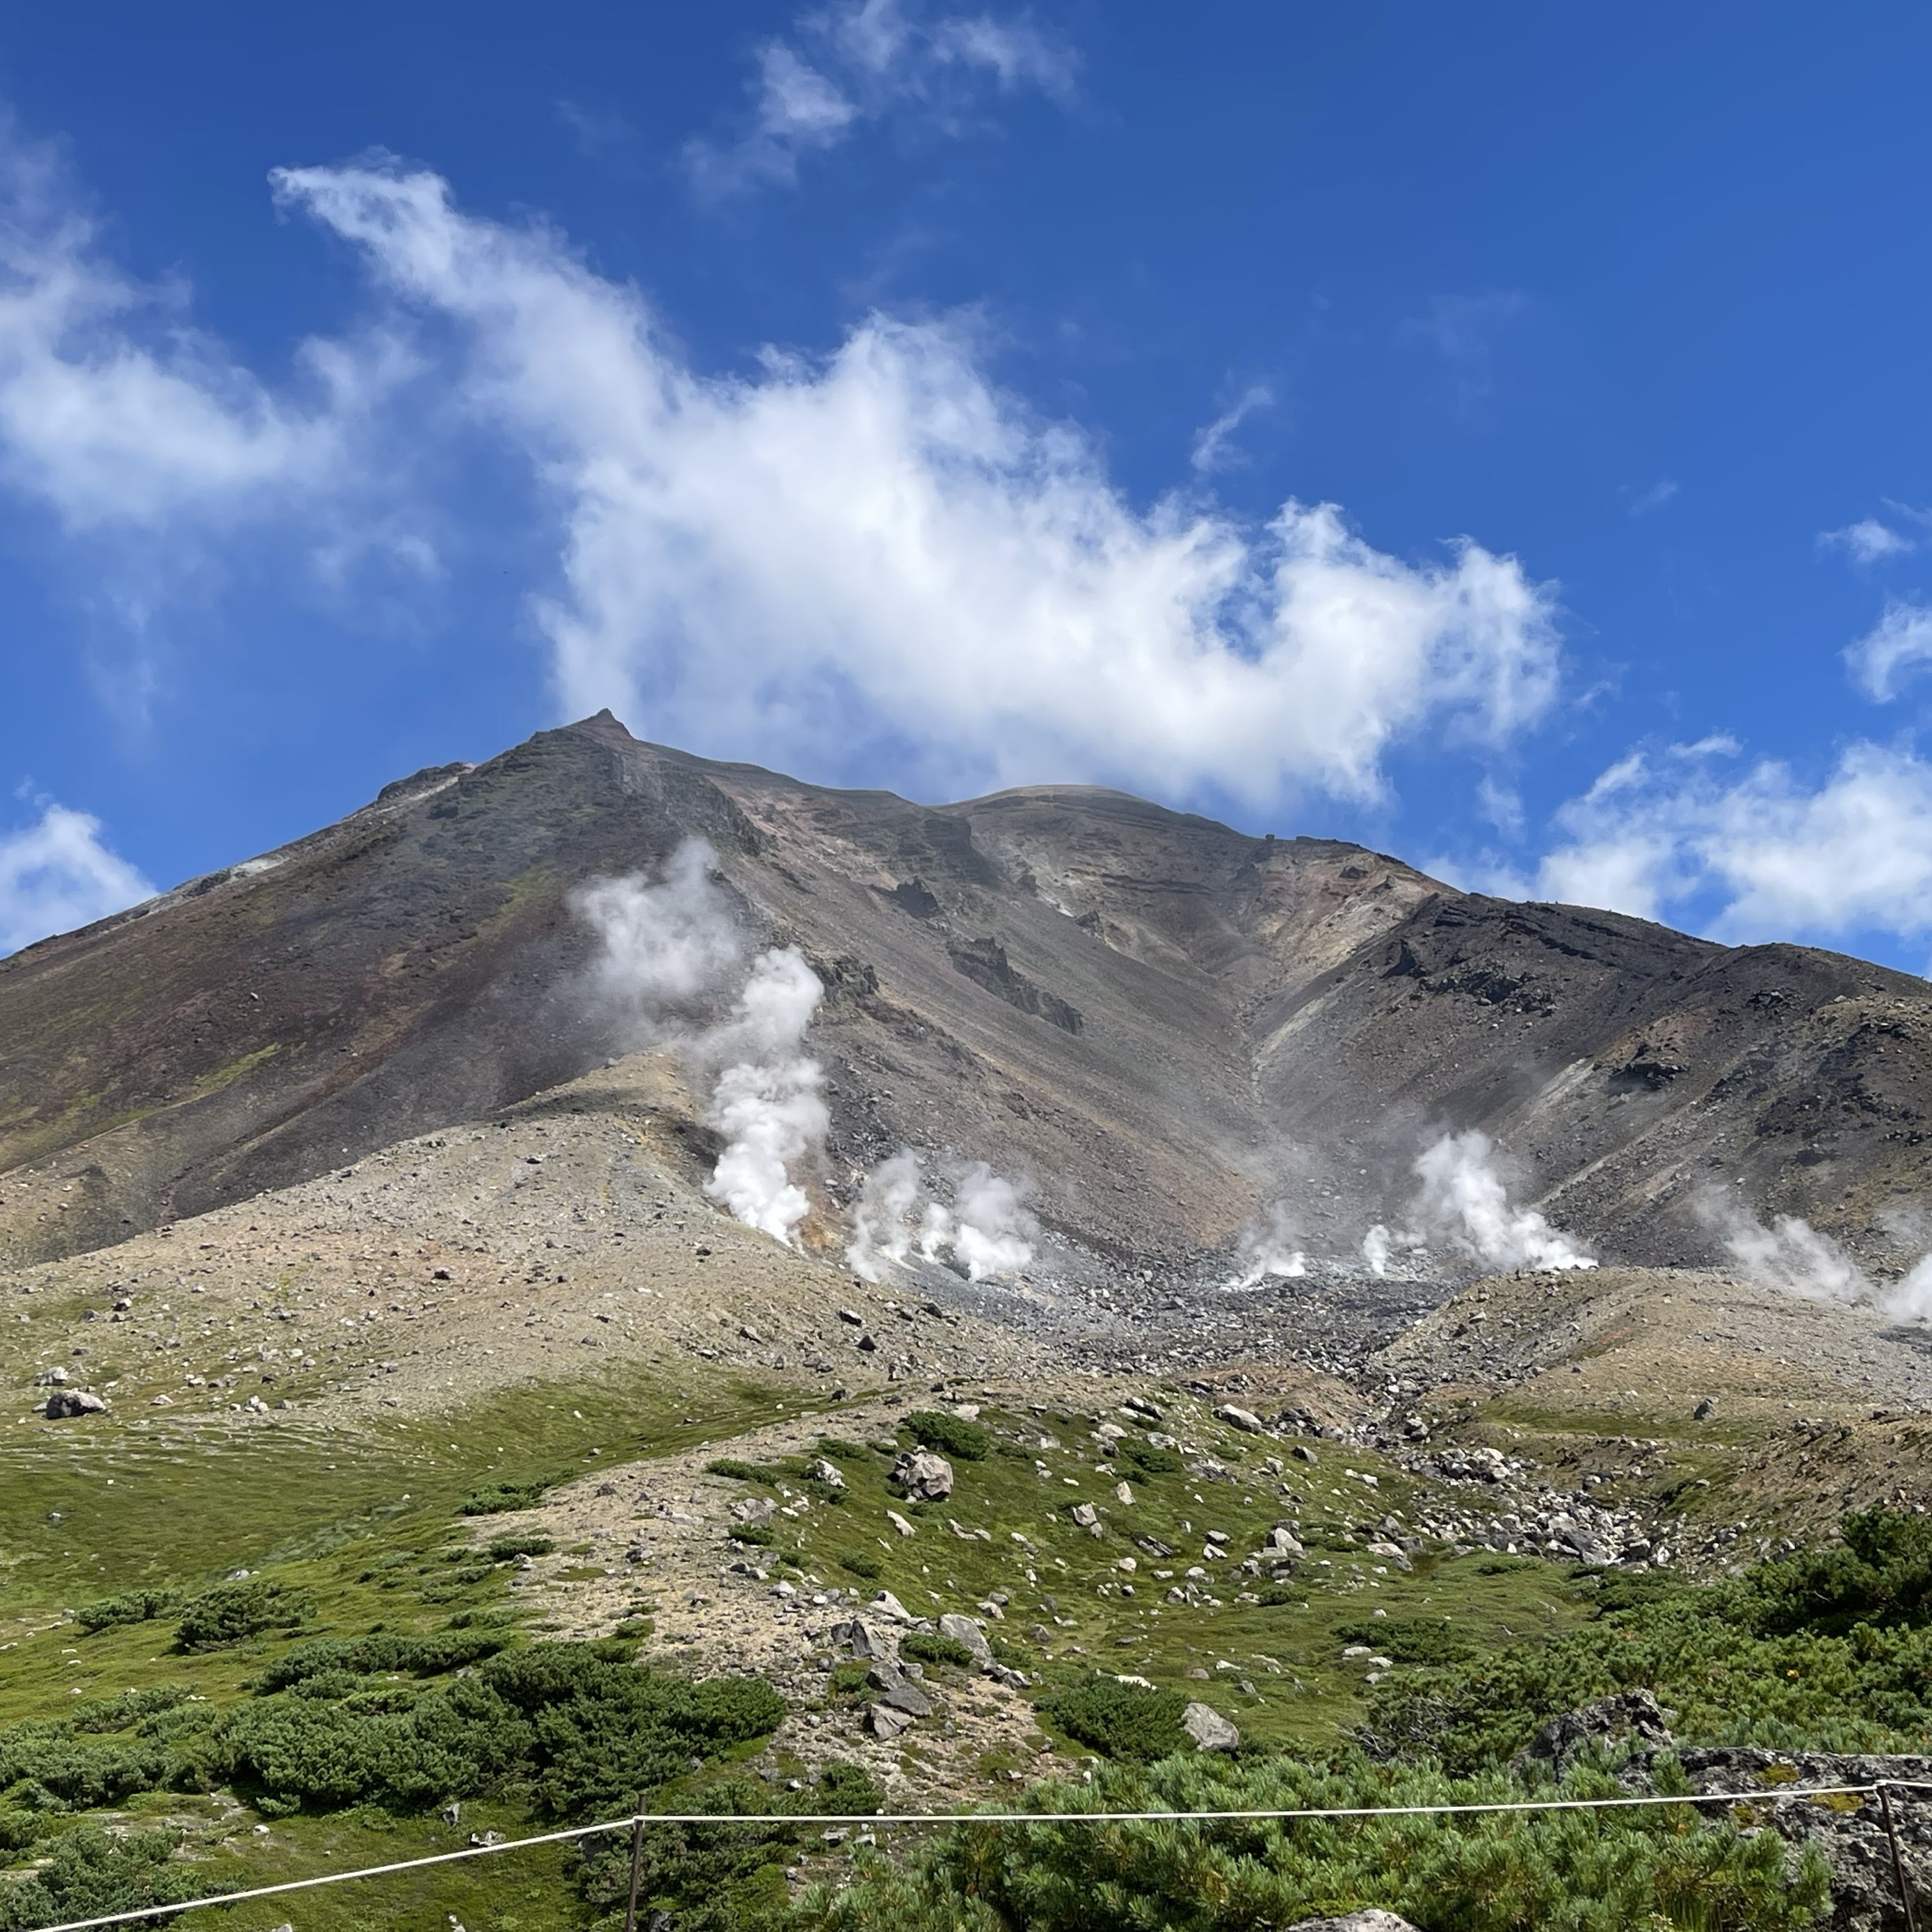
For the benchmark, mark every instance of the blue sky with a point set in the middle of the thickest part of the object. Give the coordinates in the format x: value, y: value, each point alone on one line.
x: 1502, y: 439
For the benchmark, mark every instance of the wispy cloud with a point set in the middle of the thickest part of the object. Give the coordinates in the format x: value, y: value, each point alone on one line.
x: 1464, y: 331
x: 1747, y: 855
x: 1214, y: 447
x: 864, y: 61
x: 1659, y: 494
x: 1869, y: 541
x: 56, y: 874
x: 1894, y: 649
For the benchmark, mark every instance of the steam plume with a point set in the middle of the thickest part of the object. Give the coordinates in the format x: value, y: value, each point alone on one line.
x: 1270, y: 1250
x: 768, y: 1102
x: 993, y: 1233
x: 1792, y: 1255
x: 988, y: 1229
x: 882, y: 1219
x: 1464, y: 1200
x: 1377, y: 1245
x: 670, y: 945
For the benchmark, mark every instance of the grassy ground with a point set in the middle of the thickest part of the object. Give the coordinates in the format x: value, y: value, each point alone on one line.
x: 1272, y: 1662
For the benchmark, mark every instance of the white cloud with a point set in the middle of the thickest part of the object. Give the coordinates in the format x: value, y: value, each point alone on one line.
x: 1901, y: 642
x: 113, y: 409
x: 56, y: 874
x: 864, y: 60
x: 1213, y: 447
x: 1655, y: 498
x: 1769, y: 857
x: 883, y: 550
x: 1867, y: 541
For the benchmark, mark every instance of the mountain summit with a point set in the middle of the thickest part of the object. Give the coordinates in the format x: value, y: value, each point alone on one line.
x: 1167, y: 1026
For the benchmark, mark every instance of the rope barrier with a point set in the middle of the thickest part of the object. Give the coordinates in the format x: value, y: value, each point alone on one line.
x: 633, y: 1821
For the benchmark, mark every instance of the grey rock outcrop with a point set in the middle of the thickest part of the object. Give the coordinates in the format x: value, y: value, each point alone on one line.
x: 65, y: 1404
x: 924, y: 1476
x: 1209, y: 1729
x: 1632, y: 1716
x: 1374, y: 1919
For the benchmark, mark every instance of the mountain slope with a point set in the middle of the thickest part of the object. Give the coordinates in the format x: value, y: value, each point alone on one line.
x: 1166, y: 1024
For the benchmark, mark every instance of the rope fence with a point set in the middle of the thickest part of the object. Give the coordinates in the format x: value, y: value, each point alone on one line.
x: 635, y: 1821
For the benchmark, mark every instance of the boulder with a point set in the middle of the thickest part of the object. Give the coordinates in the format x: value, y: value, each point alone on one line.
x: 899, y: 1523
x: 1282, y: 1541
x: 1374, y: 1919
x: 968, y: 1631
x: 1085, y: 1515
x: 51, y: 1379
x: 1391, y: 1552
x: 887, y: 1605
x: 64, y: 1404
x: 1242, y: 1419
x: 907, y: 1696
x: 923, y: 1476
x: 1209, y: 1729
x: 829, y: 1473
x: 886, y: 1722
x: 1634, y: 1715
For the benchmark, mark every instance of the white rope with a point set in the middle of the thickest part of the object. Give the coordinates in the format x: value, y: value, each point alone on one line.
x: 1773, y: 1793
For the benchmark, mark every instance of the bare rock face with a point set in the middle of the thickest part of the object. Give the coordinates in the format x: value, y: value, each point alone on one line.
x: 1209, y: 1729
x: 1374, y: 1919
x: 65, y: 1404
x: 926, y: 1477
x: 1634, y: 1716
x: 966, y: 1630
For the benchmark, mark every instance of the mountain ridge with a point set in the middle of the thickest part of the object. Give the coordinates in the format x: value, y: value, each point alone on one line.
x: 1166, y: 1025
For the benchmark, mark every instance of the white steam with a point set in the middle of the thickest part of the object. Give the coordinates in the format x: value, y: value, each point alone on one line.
x: 769, y: 1101
x: 1795, y: 1257
x: 1269, y: 1251
x: 987, y: 1228
x: 1463, y: 1200
x: 667, y: 942
x: 884, y: 1216
x: 670, y: 945
x: 992, y: 1232
x: 1792, y: 1256
x: 1377, y: 1244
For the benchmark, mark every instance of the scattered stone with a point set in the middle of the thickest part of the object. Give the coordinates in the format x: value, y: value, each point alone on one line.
x: 1391, y: 1553
x: 1704, y: 1411
x: 887, y: 1605
x: 923, y: 1476
x: 968, y: 1631
x: 852, y: 1315
x: 1085, y: 1515
x: 64, y: 1405
x: 829, y: 1473
x: 1124, y: 1493
x: 1303, y: 1452
x: 899, y: 1523
x: 1282, y: 1541
x: 1209, y: 1729
x: 51, y: 1379
x: 886, y: 1722
x: 1242, y: 1419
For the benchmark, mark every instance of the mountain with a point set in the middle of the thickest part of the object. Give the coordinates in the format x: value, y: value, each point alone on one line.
x: 1167, y: 1025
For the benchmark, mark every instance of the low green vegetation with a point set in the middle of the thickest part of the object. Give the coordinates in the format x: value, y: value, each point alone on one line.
x: 950, y: 1435
x: 1573, y: 1871
x: 374, y: 1663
